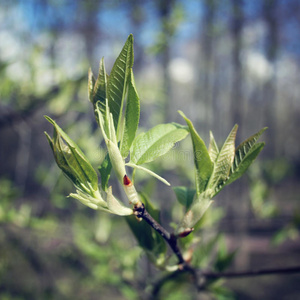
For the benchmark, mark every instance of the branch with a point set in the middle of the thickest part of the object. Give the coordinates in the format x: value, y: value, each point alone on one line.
x: 250, y: 273
x: 141, y: 212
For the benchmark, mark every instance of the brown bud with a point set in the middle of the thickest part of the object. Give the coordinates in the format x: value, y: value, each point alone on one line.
x: 126, y: 180
x: 186, y: 232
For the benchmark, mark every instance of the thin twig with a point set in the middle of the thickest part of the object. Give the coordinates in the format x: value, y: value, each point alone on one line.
x: 249, y: 273
x: 141, y: 212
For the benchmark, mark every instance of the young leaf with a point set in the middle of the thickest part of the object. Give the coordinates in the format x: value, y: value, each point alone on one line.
x: 184, y: 195
x: 196, y: 211
x: 224, y: 161
x: 105, y: 170
x: 245, y: 154
x: 117, y: 81
x: 100, y: 88
x: 115, y: 206
x: 242, y: 165
x: 91, y: 84
x: 213, y: 149
x: 203, y: 163
x: 132, y: 116
x: 71, y: 159
x: 157, y: 141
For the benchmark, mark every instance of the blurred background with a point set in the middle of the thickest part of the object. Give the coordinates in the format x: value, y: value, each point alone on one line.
x: 221, y: 62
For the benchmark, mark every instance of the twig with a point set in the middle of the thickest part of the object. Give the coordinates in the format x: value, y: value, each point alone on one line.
x: 141, y: 212
x: 249, y: 273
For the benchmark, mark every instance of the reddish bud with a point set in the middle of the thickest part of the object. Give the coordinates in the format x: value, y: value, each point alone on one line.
x: 126, y: 180
x: 186, y: 232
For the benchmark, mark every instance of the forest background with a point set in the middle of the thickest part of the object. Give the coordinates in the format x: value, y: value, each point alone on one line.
x: 221, y: 62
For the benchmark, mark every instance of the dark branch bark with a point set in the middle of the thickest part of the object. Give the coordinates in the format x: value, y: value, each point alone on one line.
x: 250, y: 273
x: 199, y: 276
x: 141, y: 212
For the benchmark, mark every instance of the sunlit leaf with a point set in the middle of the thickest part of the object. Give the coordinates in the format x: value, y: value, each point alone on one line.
x: 213, y: 149
x: 203, y: 163
x: 242, y: 165
x: 100, y: 88
x: 132, y: 116
x: 223, y: 161
x: 117, y: 82
x: 156, y: 142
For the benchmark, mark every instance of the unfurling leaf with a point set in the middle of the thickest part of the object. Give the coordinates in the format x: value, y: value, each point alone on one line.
x: 223, y: 161
x: 203, y: 163
x: 132, y: 116
x: 71, y: 159
x: 117, y: 82
x: 156, y: 142
x: 196, y: 212
x: 213, y: 149
x: 115, y: 206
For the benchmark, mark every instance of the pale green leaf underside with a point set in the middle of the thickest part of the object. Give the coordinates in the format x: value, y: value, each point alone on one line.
x: 156, y: 142
x: 241, y: 167
x: 224, y: 160
x: 116, y: 206
x: 245, y: 154
x: 243, y: 149
x: 196, y: 212
x: 213, y: 149
x: 100, y: 88
x: 132, y: 116
x: 116, y: 87
x: 203, y: 163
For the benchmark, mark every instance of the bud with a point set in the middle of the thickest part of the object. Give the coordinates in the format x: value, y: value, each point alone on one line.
x: 71, y: 160
x: 130, y: 191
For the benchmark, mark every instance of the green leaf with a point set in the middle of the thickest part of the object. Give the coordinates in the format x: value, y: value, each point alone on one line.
x: 91, y: 84
x: 105, y: 170
x: 203, y: 163
x: 71, y: 159
x: 156, y: 142
x: 196, y: 211
x: 117, y: 81
x: 213, y: 149
x: 184, y: 195
x: 116, y: 206
x: 224, y: 161
x: 242, y: 166
x: 132, y: 116
x: 100, y: 89
x: 245, y: 154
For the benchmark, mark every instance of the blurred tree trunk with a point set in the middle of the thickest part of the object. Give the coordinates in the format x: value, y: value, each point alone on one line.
x: 269, y: 89
x: 237, y: 23
x: 165, y: 10
x: 205, y: 87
